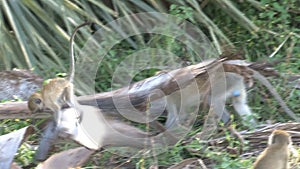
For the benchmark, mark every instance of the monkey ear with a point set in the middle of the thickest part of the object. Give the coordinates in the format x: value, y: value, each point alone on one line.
x: 37, y: 101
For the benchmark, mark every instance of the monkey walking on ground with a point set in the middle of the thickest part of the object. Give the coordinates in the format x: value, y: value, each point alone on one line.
x: 276, y: 155
x: 235, y: 90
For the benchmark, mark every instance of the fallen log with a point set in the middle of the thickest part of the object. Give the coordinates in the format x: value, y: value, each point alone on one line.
x: 136, y: 95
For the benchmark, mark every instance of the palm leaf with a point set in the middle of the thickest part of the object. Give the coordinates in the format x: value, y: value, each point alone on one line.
x: 36, y: 33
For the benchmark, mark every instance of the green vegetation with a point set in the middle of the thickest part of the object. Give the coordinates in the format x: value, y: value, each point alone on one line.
x: 35, y: 34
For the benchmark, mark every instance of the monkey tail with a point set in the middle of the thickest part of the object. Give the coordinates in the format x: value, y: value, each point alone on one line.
x: 268, y: 85
x: 71, y: 52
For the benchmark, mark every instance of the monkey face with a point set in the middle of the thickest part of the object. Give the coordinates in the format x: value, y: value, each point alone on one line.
x: 35, y: 103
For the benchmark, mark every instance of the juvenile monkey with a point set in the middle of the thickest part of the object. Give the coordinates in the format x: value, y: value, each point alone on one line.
x: 53, y: 96
x: 59, y: 90
x: 276, y: 155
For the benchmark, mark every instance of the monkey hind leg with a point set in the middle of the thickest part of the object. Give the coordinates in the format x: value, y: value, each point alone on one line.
x: 72, y: 102
x: 69, y: 96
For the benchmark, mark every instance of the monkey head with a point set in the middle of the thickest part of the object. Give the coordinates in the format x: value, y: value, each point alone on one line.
x: 279, y: 137
x: 35, y: 103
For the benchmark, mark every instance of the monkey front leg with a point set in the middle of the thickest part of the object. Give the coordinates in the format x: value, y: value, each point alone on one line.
x: 56, y: 110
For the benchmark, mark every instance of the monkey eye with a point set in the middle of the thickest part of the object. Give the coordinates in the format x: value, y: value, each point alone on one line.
x: 37, y: 101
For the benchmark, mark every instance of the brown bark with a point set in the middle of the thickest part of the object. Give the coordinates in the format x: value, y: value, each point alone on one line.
x: 139, y: 92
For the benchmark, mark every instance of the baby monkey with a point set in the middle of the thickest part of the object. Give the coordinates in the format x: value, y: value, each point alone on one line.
x: 276, y: 155
x: 57, y: 91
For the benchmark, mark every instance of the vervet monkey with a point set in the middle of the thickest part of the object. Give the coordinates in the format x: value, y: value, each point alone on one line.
x: 53, y: 96
x: 59, y: 90
x: 235, y: 89
x: 276, y: 155
x: 256, y: 75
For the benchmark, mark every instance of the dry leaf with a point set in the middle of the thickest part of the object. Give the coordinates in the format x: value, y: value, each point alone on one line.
x: 9, y: 145
x: 72, y: 158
